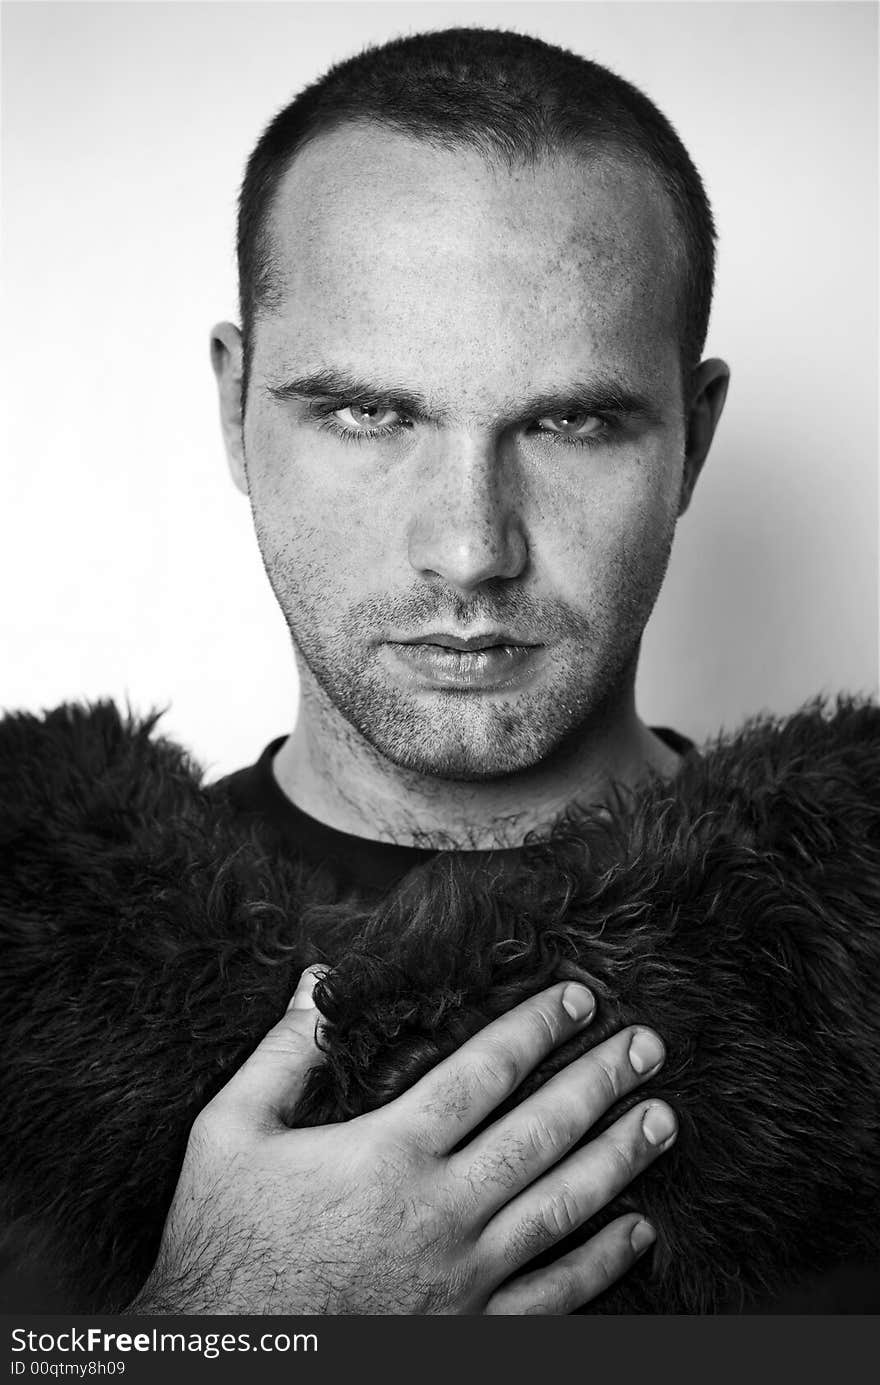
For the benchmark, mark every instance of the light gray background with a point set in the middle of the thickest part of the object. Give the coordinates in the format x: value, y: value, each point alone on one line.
x: 127, y: 561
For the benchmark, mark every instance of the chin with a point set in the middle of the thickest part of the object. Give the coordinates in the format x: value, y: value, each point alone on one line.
x: 456, y: 744
x: 460, y: 764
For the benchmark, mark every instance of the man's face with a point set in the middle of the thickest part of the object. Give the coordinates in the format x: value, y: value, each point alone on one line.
x: 465, y: 422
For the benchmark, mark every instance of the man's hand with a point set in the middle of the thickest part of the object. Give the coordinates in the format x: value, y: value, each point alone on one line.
x: 397, y: 1211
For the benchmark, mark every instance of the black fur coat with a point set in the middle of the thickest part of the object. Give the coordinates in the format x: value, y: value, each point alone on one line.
x: 150, y: 938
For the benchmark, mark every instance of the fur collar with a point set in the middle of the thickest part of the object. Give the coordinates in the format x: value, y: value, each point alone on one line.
x: 150, y: 938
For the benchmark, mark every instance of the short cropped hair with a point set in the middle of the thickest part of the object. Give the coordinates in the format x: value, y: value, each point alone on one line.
x: 507, y: 95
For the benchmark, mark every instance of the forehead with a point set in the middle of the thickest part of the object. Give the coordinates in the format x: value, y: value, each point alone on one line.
x: 392, y: 248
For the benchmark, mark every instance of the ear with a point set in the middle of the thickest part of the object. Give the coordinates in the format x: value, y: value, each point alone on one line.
x: 708, y: 391
x: 226, y: 359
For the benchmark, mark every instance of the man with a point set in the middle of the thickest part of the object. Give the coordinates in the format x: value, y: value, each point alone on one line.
x: 468, y: 409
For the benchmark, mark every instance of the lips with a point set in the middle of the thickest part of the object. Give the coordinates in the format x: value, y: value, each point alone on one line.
x: 492, y: 640
x: 478, y: 663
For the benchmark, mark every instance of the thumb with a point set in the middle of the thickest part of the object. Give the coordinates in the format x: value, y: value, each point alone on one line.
x: 269, y: 1084
x: 303, y: 998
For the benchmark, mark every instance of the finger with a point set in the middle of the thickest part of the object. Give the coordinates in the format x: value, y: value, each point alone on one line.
x: 532, y: 1137
x: 575, y: 1190
x: 579, y: 1277
x: 303, y: 997
x: 268, y: 1085
x: 465, y: 1088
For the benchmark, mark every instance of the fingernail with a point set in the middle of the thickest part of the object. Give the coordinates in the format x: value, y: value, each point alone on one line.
x: 302, y: 996
x: 578, y: 1002
x: 642, y: 1236
x: 646, y: 1051
x: 658, y: 1123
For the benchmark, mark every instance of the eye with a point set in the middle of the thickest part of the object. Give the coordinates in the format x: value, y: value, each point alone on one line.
x: 578, y: 427
x: 366, y: 418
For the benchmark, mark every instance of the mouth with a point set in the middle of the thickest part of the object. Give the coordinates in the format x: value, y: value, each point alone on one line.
x: 494, y: 639
x: 475, y: 663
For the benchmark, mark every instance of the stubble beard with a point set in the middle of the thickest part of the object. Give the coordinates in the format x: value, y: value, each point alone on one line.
x: 466, y: 736
x: 452, y: 734
x: 462, y: 735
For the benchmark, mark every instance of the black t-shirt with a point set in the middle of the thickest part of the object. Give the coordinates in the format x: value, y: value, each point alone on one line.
x: 352, y: 864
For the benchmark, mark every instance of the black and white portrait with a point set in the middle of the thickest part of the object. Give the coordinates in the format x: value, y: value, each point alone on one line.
x: 440, y: 843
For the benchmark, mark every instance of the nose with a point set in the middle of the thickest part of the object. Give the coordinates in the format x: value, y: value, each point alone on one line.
x: 467, y: 524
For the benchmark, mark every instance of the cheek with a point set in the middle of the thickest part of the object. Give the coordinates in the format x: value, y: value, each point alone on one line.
x: 310, y: 510
x: 611, y: 536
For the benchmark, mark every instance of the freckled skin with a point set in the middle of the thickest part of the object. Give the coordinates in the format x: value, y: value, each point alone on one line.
x: 479, y: 287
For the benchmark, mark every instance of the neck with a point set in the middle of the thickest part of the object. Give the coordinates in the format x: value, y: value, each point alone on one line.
x: 330, y: 772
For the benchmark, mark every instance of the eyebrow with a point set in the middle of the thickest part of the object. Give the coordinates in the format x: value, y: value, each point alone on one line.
x: 601, y: 395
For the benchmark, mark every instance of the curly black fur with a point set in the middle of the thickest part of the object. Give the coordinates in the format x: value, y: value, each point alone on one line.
x: 150, y: 939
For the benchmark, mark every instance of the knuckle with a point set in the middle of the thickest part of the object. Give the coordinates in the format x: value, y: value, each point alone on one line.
x: 395, y: 1168
x: 624, y: 1160
x: 560, y: 1293
x: 606, y: 1265
x: 544, y: 1137
x: 608, y: 1079
x: 502, y: 1168
x: 287, y: 1039
x: 545, y: 1026
x: 528, y: 1239
x: 451, y: 1100
x: 562, y: 1213
x: 556, y: 1218
x: 500, y: 1067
